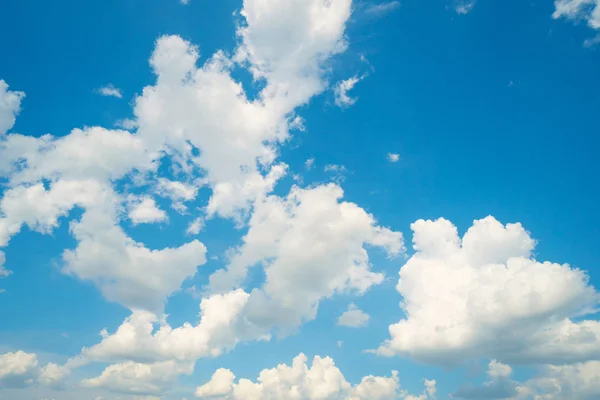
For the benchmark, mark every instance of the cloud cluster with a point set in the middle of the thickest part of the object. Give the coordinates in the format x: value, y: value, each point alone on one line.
x: 484, y: 295
x: 299, y: 381
x: 20, y: 369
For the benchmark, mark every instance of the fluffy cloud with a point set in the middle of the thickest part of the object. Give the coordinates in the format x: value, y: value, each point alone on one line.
x: 143, y: 210
x: 10, y: 104
x: 485, y: 296
x: 393, y: 157
x: 139, y: 379
x: 311, y: 246
x: 588, y: 10
x: 289, y: 43
x: 20, y: 369
x: 137, y: 339
x: 178, y: 192
x: 299, y: 381
x: 341, y: 89
x: 110, y: 91
x: 353, y: 318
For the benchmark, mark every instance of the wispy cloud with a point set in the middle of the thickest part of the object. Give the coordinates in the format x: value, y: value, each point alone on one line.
x: 591, y: 42
x: 378, y: 10
x: 464, y: 6
x: 109, y: 90
x: 341, y: 89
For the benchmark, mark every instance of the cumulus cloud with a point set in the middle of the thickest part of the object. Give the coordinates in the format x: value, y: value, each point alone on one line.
x: 341, y: 89
x: 10, y: 105
x: 143, y: 210
x: 20, y: 369
x: 486, y: 296
x: 109, y: 91
x: 185, y: 117
x: 138, y: 340
x: 353, y: 317
x: 139, y: 379
x: 321, y: 380
x: 280, y: 232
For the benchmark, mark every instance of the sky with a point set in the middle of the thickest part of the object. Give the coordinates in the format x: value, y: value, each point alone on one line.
x: 299, y: 199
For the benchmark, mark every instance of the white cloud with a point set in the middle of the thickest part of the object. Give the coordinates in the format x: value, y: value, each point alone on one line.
x: 341, y: 89
x: 579, y: 381
x: 20, y: 369
x: 195, y: 226
x: 300, y: 381
x: 393, y: 157
x: 110, y: 91
x: 308, y: 164
x: 143, y: 210
x: 353, y: 318
x: 280, y: 232
x: 588, y: 10
x: 140, y: 379
x: 126, y: 271
x: 3, y: 271
x: 138, y: 340
x: 10, y: 105
x: 185, y: 2
x: 464, y: 6
x: 485, y: 296
x: 178, y: 192
x: 381, y: 9
x: 566, y: 382
x: 337, y: 172
x: 126, y: 123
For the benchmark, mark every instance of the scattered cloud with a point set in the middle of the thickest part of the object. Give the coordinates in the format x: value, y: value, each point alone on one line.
x: 20, y: 369
x: 109, y: 91
x: 338, y: 172
x: 591, y: 42
x: 464, y: 6
x: 143, y: 210
x: 381, y: 9
x: 353, y: 317
x: 10, y: 105
x: 341, y: 89
x: 308, y: 164
x: 126, y: 123
x: 195, y: 226
x: 393, y: 157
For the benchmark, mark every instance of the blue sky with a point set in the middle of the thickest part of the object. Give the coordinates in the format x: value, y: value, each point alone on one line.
x: 219, y: 187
